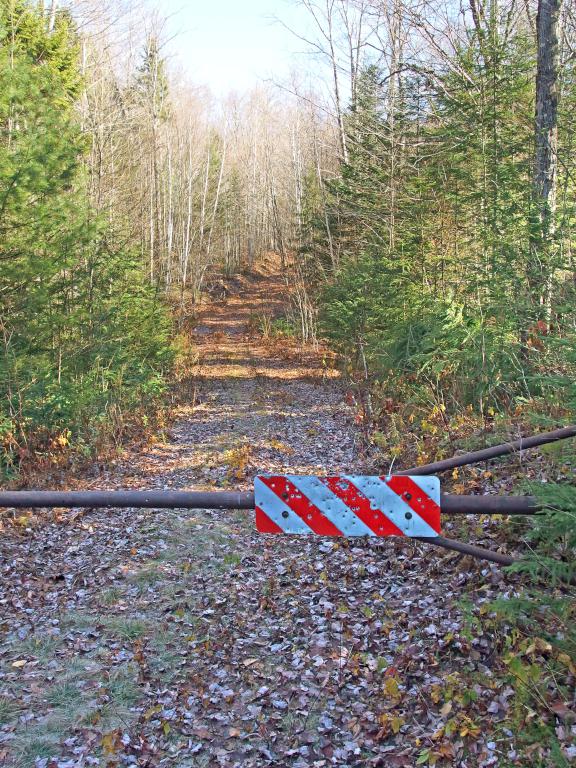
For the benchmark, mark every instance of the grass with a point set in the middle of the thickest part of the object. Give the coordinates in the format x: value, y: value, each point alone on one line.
x: 36, y: 744
x: 72, y: 708
x: 90, y: 690
x: 122, y: 686
x: 40, y: 646
x: 111, y: 596
x: 150, y: 574
x: 69, y: 702
x: 8, y: 710
x: 164, y: 658
x: 79, y: 620
x: 63, y: 695
x: 42, y: 739
x: 126, y: 629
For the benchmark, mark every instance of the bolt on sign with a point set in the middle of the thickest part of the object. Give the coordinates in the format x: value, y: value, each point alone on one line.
x: 348, y: 505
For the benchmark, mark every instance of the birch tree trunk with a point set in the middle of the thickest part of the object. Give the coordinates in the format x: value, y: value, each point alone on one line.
x: 185, y: 258
x: 52, y: 16
x: 216, y: 197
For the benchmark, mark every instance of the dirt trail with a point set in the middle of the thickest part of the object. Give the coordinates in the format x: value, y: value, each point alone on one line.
x: 143, y: 637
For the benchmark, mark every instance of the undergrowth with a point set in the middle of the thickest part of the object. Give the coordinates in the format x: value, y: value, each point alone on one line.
x: 536, y: 634
x: 534, y: 622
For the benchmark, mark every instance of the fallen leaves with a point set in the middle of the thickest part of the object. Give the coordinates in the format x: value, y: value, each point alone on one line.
x: 112, y: 742
x: 446, y: 709
x: 392, y: 689
x: 145, y: 637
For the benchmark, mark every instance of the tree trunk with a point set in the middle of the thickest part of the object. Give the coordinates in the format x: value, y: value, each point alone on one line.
x: 52, y: 16
x: 546, y: 156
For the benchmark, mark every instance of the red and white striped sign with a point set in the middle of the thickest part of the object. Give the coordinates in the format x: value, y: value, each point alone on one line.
x: 348, y: 505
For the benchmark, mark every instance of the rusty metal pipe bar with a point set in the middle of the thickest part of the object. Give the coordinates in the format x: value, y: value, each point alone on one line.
x: 451, y: 504
x: 468, y: 549
x: 491, y: 453
x: 147, y: 499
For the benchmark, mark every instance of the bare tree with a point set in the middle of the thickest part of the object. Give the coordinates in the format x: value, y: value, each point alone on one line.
x: 342, y: 37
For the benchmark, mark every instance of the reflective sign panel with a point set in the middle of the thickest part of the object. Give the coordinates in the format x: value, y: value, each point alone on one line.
x: 348, y: 505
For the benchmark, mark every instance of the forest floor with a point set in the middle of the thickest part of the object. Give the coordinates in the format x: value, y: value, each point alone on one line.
x: 180, y: 638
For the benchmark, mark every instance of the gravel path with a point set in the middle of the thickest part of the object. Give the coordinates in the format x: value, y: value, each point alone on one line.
x: 143, y: 637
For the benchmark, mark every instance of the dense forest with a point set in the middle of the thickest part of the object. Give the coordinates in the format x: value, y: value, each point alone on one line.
x: 417, y: 183
x: 124, y: 193
x: 404, y: 191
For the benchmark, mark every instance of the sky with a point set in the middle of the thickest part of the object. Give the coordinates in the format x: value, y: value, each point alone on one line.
x: 232, y: 45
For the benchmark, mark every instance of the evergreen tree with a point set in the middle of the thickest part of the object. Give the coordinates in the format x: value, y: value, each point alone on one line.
x: 433, y: 209
x: 79, y: 328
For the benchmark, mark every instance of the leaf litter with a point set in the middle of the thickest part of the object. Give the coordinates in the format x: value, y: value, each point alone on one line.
x: 184, y: 638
